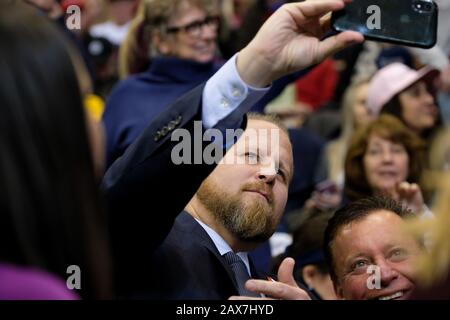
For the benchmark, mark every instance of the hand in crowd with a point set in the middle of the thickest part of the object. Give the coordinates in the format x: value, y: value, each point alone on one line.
x: 409, y: 194
x: 290, y: 40
x: 324, y: 200
x: 285, y: 288
x: 50, y: 7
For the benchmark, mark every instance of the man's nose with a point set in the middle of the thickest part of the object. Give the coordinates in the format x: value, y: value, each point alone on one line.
x: 387, y: 274
x: 268, y: 172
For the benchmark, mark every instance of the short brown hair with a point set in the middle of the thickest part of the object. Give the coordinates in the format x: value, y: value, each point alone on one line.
x: 357, y: 211
x: 392, y: 129
x: 274, y: 119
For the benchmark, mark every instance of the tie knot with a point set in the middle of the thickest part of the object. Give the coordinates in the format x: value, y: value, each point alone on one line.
x: 240, y: 272
x: 232, y: 258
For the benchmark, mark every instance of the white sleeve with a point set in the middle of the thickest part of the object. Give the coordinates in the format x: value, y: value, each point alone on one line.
x: 224, y: 92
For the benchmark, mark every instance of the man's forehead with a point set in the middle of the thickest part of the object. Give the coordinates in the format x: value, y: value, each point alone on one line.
x: 375, y: 229
x: 266, y: 129
x: 374, y: 220
x: 270, y: 132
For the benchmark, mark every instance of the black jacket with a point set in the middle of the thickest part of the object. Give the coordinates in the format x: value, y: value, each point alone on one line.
x: 145, y: 190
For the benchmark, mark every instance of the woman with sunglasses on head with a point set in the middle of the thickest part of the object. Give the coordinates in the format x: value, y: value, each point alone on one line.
x: 169, y: 50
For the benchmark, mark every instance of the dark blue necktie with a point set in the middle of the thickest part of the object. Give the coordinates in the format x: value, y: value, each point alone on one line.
x: 240, y: 273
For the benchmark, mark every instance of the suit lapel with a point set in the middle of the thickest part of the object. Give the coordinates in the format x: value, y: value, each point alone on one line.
x: 255, y: 274
x: 204, y: 240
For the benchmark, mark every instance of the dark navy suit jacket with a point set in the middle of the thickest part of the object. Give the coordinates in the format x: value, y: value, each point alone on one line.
x: 188, y: 265
x: 137, y: 100
x: 145, y: 191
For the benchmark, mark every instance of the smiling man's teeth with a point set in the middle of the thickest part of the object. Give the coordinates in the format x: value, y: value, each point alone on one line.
x: 393, y: 296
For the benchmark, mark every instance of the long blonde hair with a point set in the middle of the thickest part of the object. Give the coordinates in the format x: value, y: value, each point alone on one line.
x: 435, y: 263
x: 337, y: 149
x: 151, y: 19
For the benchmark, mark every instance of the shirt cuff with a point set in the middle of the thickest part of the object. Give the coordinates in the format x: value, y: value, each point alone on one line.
x: 226, y: 91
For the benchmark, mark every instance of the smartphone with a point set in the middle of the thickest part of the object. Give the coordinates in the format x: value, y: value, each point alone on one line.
x: 406, y: 22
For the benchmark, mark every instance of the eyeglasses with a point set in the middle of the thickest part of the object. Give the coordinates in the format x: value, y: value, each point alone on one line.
x: 195, y: 28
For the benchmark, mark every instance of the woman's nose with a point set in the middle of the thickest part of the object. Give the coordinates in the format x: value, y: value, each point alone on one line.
x: 387, y: 156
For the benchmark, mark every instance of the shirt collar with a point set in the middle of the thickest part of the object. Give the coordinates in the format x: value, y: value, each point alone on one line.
x: 222, y: 246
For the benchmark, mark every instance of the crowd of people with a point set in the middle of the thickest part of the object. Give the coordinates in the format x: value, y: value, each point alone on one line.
x: 345, y: 193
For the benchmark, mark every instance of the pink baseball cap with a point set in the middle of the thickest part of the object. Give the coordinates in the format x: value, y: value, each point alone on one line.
x: 393, y: 79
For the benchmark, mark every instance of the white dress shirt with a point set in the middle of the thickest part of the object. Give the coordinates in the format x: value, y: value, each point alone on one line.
x: 222, y: 246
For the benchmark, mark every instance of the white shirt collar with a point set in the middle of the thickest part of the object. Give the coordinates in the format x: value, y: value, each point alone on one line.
x: 222, y: 246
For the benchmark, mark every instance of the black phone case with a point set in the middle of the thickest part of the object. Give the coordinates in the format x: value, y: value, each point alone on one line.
x: 401, y: 22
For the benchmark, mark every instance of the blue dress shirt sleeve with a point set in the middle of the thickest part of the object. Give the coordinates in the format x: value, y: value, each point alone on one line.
x: 224, y: 92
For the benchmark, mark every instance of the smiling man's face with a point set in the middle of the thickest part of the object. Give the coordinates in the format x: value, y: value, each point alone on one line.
x: 378, y: 239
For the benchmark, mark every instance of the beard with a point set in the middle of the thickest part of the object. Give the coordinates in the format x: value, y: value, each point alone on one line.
x: 251, y: 221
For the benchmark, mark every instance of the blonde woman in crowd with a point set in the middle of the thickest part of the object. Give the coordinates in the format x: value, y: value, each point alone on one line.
x: 354, y: 115
x: 169, y: 50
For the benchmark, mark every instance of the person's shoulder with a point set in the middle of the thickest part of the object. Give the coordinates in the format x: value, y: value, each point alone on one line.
x: 129, y: 83
x: 24, y: 283
x: 307, y: 137
x: 127, y: 90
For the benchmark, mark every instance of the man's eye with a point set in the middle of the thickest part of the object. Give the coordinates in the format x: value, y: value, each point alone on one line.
x: 281, y: 173
x: 251, y: 156
x: 360, y: 265
x: 398, y: 254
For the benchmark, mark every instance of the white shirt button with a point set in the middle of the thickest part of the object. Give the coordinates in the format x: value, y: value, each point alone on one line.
x: 236, y: 92
x: 224, y: 103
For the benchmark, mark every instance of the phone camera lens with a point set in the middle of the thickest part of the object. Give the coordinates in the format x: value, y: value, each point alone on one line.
x: 422, y: 6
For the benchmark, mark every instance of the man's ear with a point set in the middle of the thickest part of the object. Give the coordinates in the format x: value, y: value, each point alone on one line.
x: 309, y: 273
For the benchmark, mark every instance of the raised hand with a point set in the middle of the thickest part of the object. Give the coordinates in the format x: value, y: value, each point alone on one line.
x: 290, y: 40
x: 285, y: 288
x: 409, y: 194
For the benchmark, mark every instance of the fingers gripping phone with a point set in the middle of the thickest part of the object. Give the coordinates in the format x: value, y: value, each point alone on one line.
x: 407, y: 22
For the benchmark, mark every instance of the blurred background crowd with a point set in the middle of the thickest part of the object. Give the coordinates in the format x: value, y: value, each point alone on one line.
x: 361, y: 123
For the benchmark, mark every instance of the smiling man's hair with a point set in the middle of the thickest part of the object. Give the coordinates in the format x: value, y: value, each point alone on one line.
x: 356, y: 211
